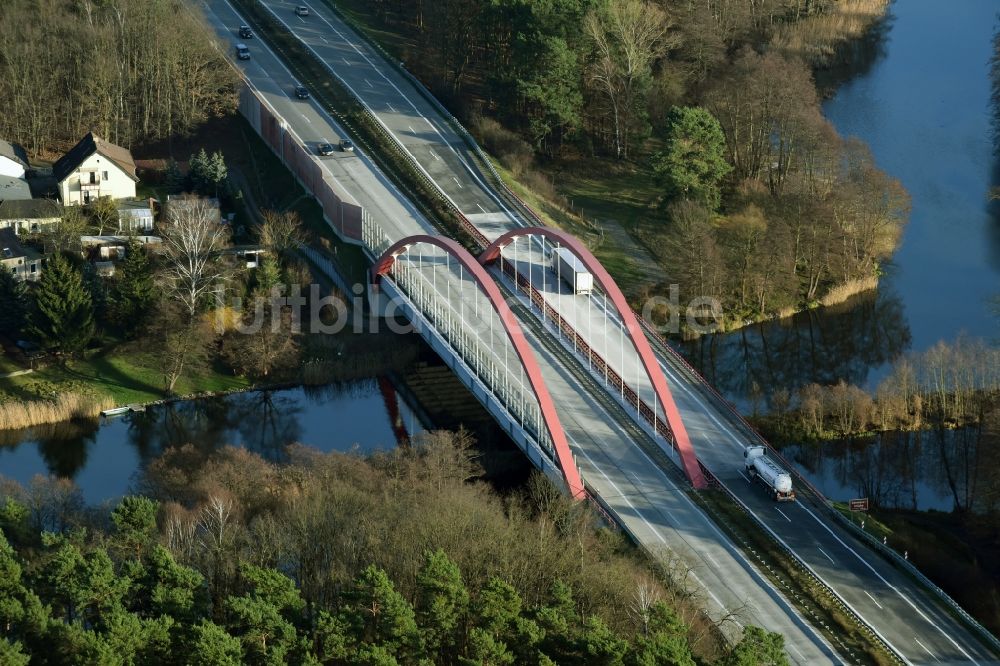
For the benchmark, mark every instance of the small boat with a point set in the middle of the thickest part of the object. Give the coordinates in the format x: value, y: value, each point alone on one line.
x: 137, y: 408
x: 114, y: 411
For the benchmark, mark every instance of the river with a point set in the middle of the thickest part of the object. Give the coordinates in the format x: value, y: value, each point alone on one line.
x: 919, y: 96
x: 104, y: 457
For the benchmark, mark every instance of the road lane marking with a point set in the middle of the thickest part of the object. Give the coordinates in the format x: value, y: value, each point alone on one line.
x: 889, y: 585
x: 747, y: 478
x: 460, y: 186
x: 480, y: 207
x: 925, y: 649
x: 390, y: 107
x: 306, y: 118
x: 824, y: 552
x: 874, y: 599
x: 792, y: 647
x: 324, y: 40
x: 783, y: 514
x: 345, y: 61
x: 412, y: 131
x: 434, y: 154
x: 369, y: 83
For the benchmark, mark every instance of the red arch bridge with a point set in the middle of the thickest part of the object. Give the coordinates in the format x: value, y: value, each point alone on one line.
x: 458, y: 307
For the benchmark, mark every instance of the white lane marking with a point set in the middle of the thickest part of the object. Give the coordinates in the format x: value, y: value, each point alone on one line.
x: 712, y: 560
x: 889, y: 585
x: 792, y: 647
x: 480, y: 207
x: 460, y: 186
x: 306, y: 118
x: 434, y: 154
x: 925, y: 649
x: 783, y: 514
x: 746, y: 477
x: 345, y: 61
x: 369, y: 83
x: 380, y: 177
x: 324, y: 40
x: 390, y: 107
x: 875, y: 600
x: 412, y: 131
x: 300, y: 18
x: 824, y: 552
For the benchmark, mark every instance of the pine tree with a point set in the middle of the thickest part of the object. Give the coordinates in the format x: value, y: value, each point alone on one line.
x: 63, y: 317
x: 173, y: 178
x: 14, y: 296
x: 442, y: 602
x: 198, y: 171
x: 381, y: 616
x: 133, y: 292
x: 217, y: 171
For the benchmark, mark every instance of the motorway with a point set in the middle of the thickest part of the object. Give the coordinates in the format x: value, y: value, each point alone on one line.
x: 613, y: 463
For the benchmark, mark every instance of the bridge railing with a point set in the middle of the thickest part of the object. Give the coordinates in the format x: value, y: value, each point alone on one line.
x: 516, y: 397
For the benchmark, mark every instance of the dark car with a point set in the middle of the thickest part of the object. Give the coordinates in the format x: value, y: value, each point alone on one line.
x: 325, y: 149
x: 246, y: 32
x: 301, y: 92
x: 301, y: 10
x: 242, y: 52
x: 347, y: 146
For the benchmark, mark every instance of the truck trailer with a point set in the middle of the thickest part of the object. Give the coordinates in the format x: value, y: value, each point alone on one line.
x: 767, y: 472
x: 568, y: 267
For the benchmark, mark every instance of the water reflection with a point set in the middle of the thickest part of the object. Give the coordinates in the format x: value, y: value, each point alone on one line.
x: 104, y: 457
x: 926, y: 470
x: 841, y: 342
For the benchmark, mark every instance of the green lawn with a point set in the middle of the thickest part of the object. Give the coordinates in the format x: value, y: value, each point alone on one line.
x: 8, y: 364
x: 126, y: 377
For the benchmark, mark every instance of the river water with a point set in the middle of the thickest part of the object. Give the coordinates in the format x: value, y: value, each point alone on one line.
x: 919, y: 95
x: 104, y: 458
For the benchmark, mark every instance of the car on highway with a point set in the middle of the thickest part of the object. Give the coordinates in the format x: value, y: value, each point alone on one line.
x: 301, y: 92
x: 347, y: 146
x: 242, y: 52
x: 246, y: 32
x: 301, y: 10
x: 325, y: 149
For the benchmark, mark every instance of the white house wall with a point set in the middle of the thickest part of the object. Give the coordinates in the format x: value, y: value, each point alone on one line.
x: 9, y: 167
x: 118, y: 184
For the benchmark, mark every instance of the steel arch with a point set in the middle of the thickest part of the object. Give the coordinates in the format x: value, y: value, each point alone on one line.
x: 564, y: 457
x: 635, y: 333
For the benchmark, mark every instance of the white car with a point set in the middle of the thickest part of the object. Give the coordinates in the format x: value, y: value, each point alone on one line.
x: 301, y: 10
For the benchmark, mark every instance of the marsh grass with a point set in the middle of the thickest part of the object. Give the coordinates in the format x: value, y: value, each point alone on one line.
x: 816, y: 38
x: 61, y: 407
x: 846, y: 290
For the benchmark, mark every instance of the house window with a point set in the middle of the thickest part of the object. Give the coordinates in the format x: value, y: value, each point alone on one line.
x: 34, y: 268
x: 93, y: 177
x: 86, y: 196
x: 104, y: 175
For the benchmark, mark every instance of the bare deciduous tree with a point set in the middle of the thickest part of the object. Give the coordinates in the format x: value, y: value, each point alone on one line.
x: 192, y: 239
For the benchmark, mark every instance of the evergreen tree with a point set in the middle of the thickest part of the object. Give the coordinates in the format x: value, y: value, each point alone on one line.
x: 379, y: 615
x: 442, y: 602
x: 693, y: 160
x: 63, y: 317
x: 14, y: 297
x: 758, y: 647
x: 217, y: 171
x: 133, y: 291
x: 173, y: 178
x: 212, y: 646
x: 135, y: 522
x: 198, y: 168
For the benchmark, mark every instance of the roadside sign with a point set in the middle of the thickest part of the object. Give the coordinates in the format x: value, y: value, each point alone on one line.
x: 859, y: 504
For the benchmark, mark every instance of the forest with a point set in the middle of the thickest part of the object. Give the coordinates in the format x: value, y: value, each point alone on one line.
x: 402, y: 558
x: 130, y: 70
x: 758, y: 202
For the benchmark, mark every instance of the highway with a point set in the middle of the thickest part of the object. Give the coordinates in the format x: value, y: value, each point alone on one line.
x: 647, y: 499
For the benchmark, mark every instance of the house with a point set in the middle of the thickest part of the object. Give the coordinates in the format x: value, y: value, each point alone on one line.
x: 24, y: 262
x: 135, y: 215
x: 95, y: 168
x: 12, y: 188
x: 29, y: 216
x: 13, y: 160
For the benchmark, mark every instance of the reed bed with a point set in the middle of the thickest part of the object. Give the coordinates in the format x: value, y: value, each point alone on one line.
x: 815, y: 38
x: 846, y: 290
x: 63, y: 407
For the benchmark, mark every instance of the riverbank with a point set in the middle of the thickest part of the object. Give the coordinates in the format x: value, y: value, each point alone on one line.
x: 127, y: 375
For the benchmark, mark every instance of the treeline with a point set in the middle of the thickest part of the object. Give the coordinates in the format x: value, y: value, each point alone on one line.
x: 763, y: 205
x: 334, y: 560
x: 947, y: 386
x: 130, y: 70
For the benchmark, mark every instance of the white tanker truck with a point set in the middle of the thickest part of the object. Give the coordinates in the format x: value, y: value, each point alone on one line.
x: 763, y: 469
